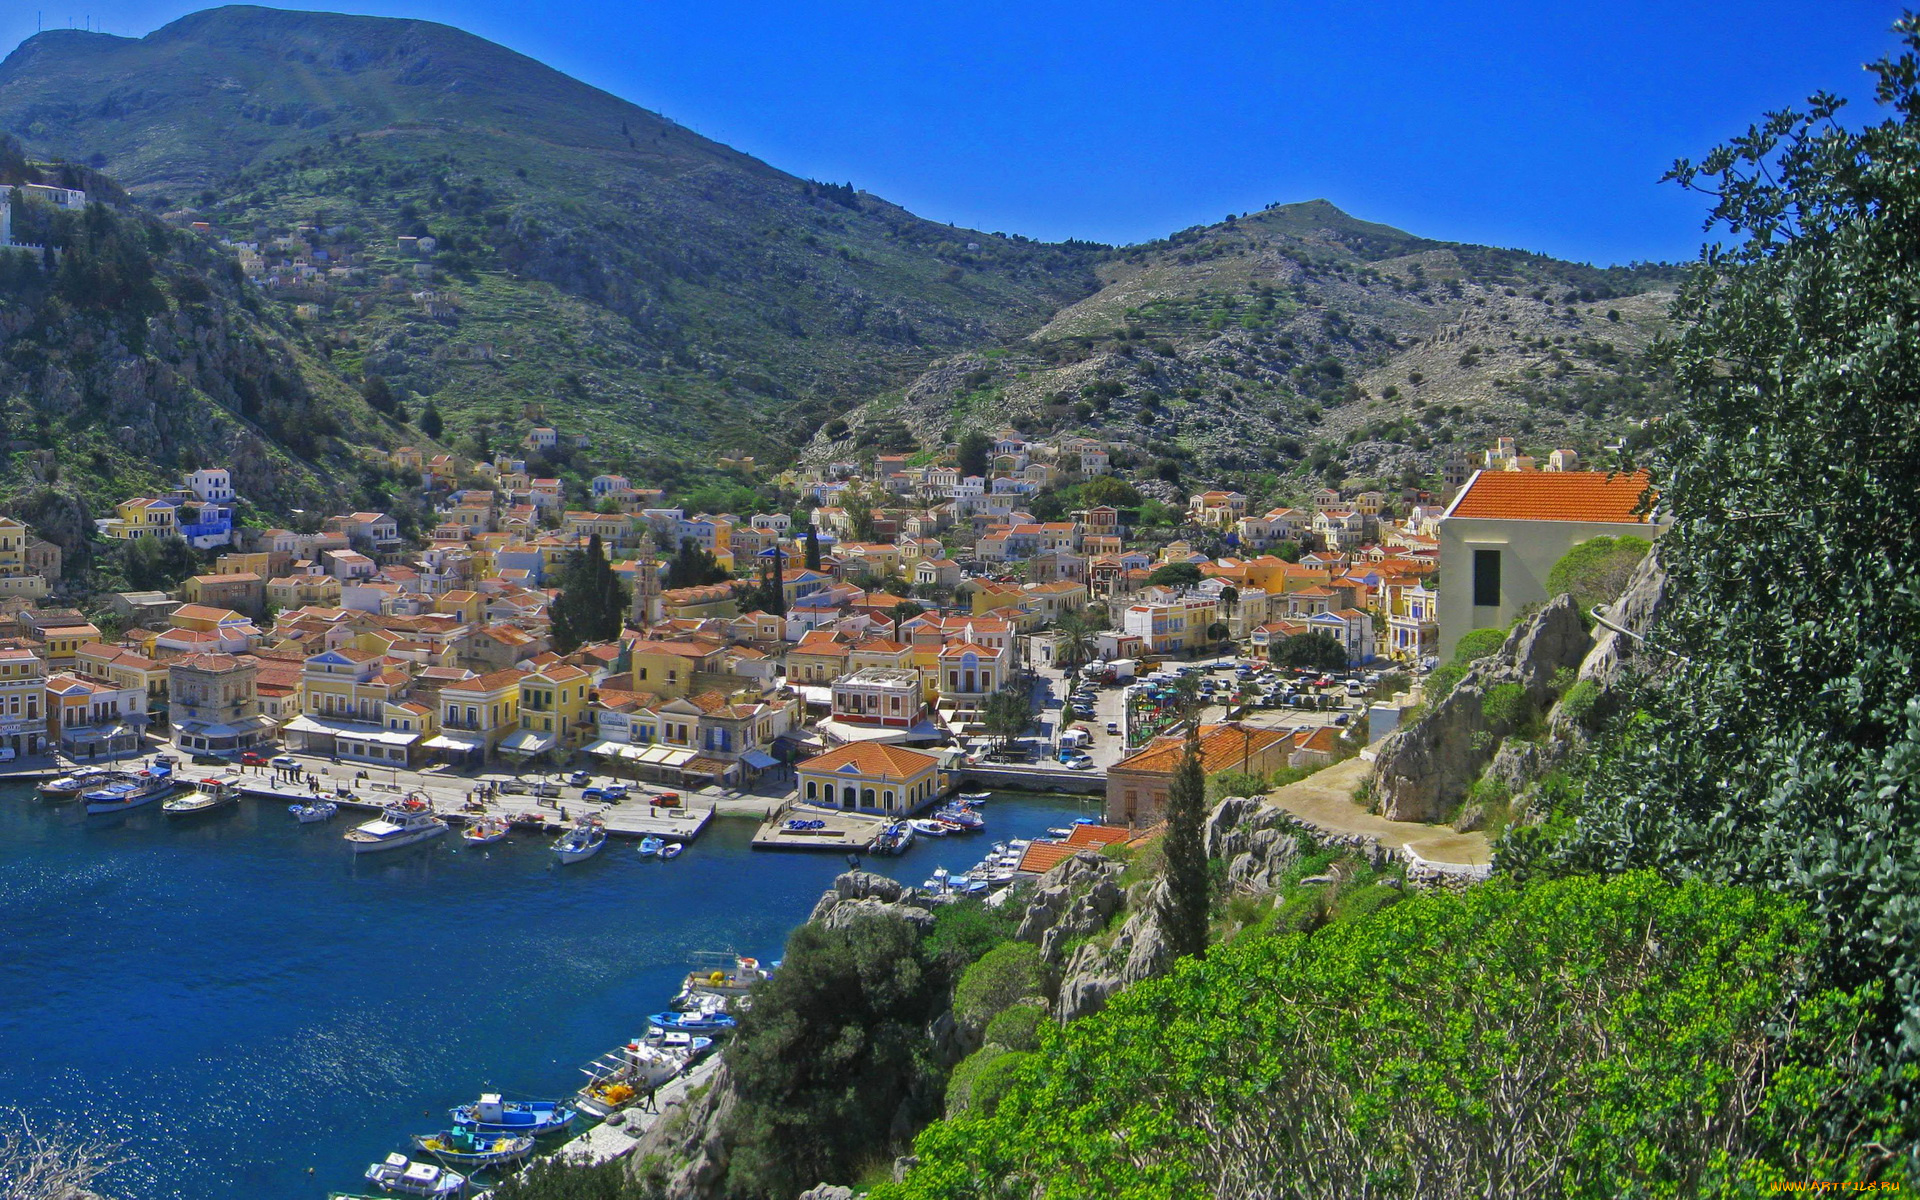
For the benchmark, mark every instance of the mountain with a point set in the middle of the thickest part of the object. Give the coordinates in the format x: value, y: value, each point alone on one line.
x: 669, y: 292
x: 1301, y: 341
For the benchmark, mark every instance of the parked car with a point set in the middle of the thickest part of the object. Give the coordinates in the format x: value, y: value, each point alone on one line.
x: 7, y: 754
x: 1341, y: 719
x: 286, y: 762
x: 610, y: 793
x: 252, y: 758
x: 580, y: 779
x: 1113, y: 728
x: 546, y: 788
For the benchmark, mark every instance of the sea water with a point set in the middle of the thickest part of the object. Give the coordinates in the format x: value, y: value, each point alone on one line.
x: 254, y: 1011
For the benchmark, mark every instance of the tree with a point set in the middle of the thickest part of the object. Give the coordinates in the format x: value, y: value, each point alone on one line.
x: 1075, y: 642
x: 1218, y: 632
x: 1175, y: 575
x: 1188, y: 887
x: 1107, y: 490
x: 1006, y: 715
x: 157, y: 563
x: 902, y: 612
x: 430, y: 422
x: 378, y: 395
x: 592, y: 606
x: 693, y: 566
x: 813, y: 548
x: 1314, y: 651
x: 1783, y: 745
x: 1597, y: 570
x: 976, y: 450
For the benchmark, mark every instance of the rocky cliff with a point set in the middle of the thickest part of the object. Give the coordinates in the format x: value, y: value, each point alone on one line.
x: 1423, y: 772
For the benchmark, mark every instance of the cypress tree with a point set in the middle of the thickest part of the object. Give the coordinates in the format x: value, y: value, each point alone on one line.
x: 1184, y: 911
x: 592, y: 604
x: 813, y: 548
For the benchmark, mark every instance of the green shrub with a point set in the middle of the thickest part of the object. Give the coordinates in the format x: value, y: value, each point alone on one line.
x: 1506, y: 704
x: 1596, y: 571
x: 1004, y: 976
x: 1580, y: 700
x: 1017, y: 1028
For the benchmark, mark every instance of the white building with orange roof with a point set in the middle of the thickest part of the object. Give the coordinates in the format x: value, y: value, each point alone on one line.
x: 1503, y: 533
x: 871, y: 777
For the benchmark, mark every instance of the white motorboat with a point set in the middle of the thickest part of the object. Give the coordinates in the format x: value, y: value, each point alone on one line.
x: 313, y: 814
x: 672, y: 849
x: 84, y: 779
x: 222, y: 791
x: 926, y: 828
x: 146, y: 787
x: 407, y: 823
x: 396, y: 1173
x: 581, y: 842
x: 976, y: 798
x: 939, y: 882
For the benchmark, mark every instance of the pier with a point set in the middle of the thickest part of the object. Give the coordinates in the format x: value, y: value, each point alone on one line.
x: 633, y: 818
x: 845, y: 832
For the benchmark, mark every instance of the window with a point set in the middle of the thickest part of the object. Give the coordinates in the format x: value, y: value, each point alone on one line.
x: 1486, y: 579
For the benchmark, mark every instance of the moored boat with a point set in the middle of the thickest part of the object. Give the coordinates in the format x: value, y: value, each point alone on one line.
x: 976, y: 798
x: 144, y: 788
x: 928, y: 828
x: 529, y: 1118
x: 85, y: 779
x: 726, y: 984
x: 581, y: 842
x: 397, y: 1174
x: 405, y: 824
x: 651, y: 847
x: 310, y: 814
x: 620, y: 1077
x: 672, y: 850
x: 693, y: 1022
x: 466, y: 1148
x: 222, y: 791
x: 485, y: 831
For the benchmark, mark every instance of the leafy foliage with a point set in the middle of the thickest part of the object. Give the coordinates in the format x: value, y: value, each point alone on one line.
x: 693, y: 565
x: 1596, y: 571
x: 1314, y: 651
x: 1784, y: 749
x: 1471, y: 648
x: 1004, y: 976
x: 1178, y: 574
x: 593, y: 602
x: 1579, y: 1037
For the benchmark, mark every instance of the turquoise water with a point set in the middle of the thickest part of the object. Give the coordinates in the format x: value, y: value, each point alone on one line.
x: 257, y: 1013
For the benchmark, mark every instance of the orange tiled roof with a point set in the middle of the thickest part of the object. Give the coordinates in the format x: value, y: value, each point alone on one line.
x: 873, y: 759
x: 1553, y: 496
x: 1221, y: 747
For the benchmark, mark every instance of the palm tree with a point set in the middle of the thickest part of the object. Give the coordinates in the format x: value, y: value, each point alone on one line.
x: 1075, y: 643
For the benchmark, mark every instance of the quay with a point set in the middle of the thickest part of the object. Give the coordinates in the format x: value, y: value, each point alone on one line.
x: 842, y: 831
x: 631, y: 819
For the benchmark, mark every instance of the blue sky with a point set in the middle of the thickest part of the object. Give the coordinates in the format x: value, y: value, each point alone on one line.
x: 1539, y: 125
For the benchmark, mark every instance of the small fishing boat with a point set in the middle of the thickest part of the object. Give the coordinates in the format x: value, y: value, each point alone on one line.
x: 928, y: 828
x: 144, y: 788
x: 396, y: 1174
x: 938, y: 884
x: 222, y: 791
x: 485, y: 831
x: 976, y: 798
x: 619, y: 1077
x: 960, y: 818
x: 85, y: 779
x: 521, y: 1118
x: 693, y: 1022
x: 686, y: 1047
x: 737, y: 982
x: 405, y: 824
x: 672, y: 850
x: 581, y: 842
x: 650, y: 846
x: 1059, y: 833
x: 311, y: 814
x: 466, y: 1148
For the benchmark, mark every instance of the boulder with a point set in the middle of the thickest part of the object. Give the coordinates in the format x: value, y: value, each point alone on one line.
x: 827, y: 1191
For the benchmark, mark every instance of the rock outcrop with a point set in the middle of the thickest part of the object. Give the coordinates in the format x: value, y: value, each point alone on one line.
x: 1423, y: 771
x: 684, y: 1153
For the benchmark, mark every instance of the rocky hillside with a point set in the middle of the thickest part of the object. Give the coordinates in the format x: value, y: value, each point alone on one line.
x: 668, y: 291
x: 131, y: 351
x: 1302, y: 340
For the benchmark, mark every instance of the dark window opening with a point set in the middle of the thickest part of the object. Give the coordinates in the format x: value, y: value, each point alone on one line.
x: 1486, y: 579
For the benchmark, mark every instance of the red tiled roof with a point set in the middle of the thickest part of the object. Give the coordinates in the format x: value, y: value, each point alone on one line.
x: 1553, y: 496
x: 872, y: 759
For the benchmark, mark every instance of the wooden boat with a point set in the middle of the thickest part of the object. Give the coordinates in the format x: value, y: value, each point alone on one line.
x: 581, y: 842
x: 485, y: 831
x: 927, y: 828
x: 222, y: 791
x: 620, y: 1077
x: 521, y: 1118
x: 152, y: 784
x: 396, y: 1173
x: 465, y: 1148
x: 718, y: 982
x: 85, y: 779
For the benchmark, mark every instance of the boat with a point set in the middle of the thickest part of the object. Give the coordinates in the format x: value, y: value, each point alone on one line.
x: 672, y: 849
x: 928, y: 828
x: 1059, y: 833
x: 466, y: 1148
x: 403, y: 824
x: 939, y: 882
x: 976, y: 797
x: 962, y: 819
x: 85, y: 779
x: 144, y: 788
x: 693, y: 1022
x: 396, y: 1173
x: 737, y: 982
x: 309, y: 814
x: 222, y: 791
x: 686, y: 1047
x: 485, y: 831
x: 581, y: 842
x: 620, y: 1077
x: 650, y: 846
x: 894, y: 839
x: 522, y: 1118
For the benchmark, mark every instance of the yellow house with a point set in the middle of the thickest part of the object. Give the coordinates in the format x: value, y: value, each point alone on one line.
x: 260, y: 562
x: 667, y: 668
x: 467, y: 606
x: 121, y: 667
x: 477, y: 714
x: 870, y: 777
x: 13, y: 548
x: 141, y: 517
x: 553, y: 710
x: 298, y: 591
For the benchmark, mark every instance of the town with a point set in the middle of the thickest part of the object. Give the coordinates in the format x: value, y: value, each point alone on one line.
x: 910, y: 624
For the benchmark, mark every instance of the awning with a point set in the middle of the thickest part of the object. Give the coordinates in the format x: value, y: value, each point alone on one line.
x: 605, y: 748
x: 664, y: 756
x: 528, y: 741
x: 713, y: 768
x: 759, y: 760
x: 456, y: 741
x: 249, y: 725
x: 95, y: 733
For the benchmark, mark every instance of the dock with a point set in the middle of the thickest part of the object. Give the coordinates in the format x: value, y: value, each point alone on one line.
x: 632, y: 819
x: 844, y: 832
